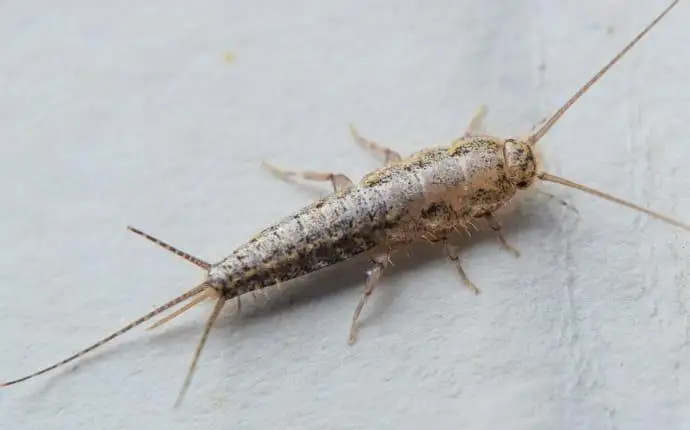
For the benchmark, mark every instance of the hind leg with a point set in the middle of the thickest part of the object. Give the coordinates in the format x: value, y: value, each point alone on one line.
x: 380, y: 152
x: 338, y: 180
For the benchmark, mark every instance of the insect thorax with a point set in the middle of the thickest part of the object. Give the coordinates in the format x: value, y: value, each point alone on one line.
x: 484, y: 174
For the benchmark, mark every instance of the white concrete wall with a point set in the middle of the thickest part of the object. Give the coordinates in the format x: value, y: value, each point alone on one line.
x: 128, y: 112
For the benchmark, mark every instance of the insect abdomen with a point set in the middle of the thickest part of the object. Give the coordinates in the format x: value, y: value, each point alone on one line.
x: 435, y: 191
x: 332, y: 230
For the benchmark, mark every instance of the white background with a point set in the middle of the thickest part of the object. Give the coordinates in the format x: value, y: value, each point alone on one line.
x: 116, y: 113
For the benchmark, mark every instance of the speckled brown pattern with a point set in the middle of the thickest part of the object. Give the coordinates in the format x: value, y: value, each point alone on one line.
x: 426, y: 195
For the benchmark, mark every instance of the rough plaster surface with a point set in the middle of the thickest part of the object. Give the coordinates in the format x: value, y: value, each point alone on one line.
x: 116, y: 113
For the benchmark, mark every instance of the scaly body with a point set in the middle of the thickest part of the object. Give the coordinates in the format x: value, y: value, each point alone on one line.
x: 427, y: 195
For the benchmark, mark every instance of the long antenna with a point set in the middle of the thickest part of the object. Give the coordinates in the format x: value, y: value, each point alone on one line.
x: 189, y: 294
x: 565, y: 182
x: 533, y: 139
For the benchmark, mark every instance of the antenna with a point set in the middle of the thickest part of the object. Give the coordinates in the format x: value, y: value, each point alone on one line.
x: 570, y: 184
x: 533, y: 139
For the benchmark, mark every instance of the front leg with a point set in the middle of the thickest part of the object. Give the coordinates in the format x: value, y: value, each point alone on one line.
x: 475, y: 126
x: 496, y: 227
x: 453, y: 254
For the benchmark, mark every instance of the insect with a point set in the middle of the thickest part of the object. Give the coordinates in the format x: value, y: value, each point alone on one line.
x: 426, y: 196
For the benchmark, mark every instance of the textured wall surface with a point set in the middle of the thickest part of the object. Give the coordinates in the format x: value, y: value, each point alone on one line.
x: 158, y: 114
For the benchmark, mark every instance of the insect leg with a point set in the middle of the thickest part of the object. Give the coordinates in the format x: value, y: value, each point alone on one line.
x: 338, y: 180
x: 453, y: 254
x: 474, y: 127
x: 380, y: 152
x: 496, y: 226
x: 373, y: 274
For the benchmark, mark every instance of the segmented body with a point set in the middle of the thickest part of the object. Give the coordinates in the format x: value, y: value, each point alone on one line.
x: 428, y: 194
